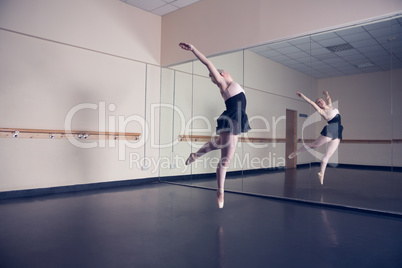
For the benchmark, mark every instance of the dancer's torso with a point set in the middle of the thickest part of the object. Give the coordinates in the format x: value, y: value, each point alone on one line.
x: 232, y: 90
x: 329, y: 114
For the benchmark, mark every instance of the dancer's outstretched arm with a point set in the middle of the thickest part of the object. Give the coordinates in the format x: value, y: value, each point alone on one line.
x: 212, y: 69
x: 328, y: 98
x: 312, y: 103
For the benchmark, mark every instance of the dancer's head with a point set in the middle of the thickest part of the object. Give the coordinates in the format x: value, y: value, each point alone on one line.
x: 321, y: 103
x: 223, y: 73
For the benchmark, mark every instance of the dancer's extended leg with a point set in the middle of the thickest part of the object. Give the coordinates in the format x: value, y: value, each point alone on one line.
x: 332, y: 146
x: 321, y: 140
x: 227, y: 152
x: 207, y: 147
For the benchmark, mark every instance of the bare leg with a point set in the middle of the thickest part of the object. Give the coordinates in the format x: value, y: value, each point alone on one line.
x: 227, y: 152
x: 321, y: 140
x: 207, y: 147
x: 332, y: 146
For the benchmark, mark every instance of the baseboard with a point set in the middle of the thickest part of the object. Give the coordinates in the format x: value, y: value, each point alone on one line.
x: 74, y: 188
x: 228, y: 174
x: 366, y: 167
x: 105, y: 185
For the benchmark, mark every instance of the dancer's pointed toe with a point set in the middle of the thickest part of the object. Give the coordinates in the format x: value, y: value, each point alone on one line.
x: 190, y: 159
x: 321, y: 177
x: 220, y: 197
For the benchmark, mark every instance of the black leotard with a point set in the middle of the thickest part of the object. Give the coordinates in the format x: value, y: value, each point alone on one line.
x: 334, y: 128
x: 234, y: 119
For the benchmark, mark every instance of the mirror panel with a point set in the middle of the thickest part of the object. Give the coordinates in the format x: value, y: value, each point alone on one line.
x: 176, y: 108
x: 360, y: 66
x: 270, y: 94
x: 395, y: 48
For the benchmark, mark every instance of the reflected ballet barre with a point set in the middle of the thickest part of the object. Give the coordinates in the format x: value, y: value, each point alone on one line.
x: 64, y: 134
x: 201, y: 138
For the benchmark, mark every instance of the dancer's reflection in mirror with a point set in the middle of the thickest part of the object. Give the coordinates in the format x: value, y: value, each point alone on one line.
x: 331, y: 133
x: 231, y: 123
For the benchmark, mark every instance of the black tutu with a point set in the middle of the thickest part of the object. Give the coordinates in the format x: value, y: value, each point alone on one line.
x: 334, y: 128
x: 234, y: 119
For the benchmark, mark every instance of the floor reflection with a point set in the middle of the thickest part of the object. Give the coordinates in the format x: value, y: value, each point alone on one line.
x: 332, y: 235
x: 367, y: 189
x: 290, y: 182
x: 221, y: 251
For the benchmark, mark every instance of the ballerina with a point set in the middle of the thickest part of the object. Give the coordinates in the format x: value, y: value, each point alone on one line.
x: 231, y: 122
x: 331, y: 133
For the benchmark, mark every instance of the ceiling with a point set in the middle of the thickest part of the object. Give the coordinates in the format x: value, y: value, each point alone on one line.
x: 371, y: 47
x: 160, y: 7
x: 353, y: 50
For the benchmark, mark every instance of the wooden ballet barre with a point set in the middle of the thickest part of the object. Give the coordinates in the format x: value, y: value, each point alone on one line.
x: 199, y: 138
x: 352, y: 141
x: 63, y: 134
x: 368, y: 141
x: 262, y: 140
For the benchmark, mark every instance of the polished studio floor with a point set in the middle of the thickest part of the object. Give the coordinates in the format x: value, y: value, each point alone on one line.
x: 165, y: 225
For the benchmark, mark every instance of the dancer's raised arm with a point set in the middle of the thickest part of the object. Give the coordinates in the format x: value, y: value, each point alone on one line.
x: 220, y: 81
x: 312, y: 103
x: 328, y: 98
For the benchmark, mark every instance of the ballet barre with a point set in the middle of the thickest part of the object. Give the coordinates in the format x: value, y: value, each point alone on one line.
x: 353, y: 141
x: 200, y: 138
x: 65, y: 134
x: 372, y: 141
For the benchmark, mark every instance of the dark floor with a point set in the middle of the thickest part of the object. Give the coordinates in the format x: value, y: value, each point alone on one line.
x: 163, y: 225
x: 361, y: 188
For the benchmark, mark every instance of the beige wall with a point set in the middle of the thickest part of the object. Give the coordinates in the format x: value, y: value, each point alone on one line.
x: 218, y: 26
x: 108, y: 26
x: 57, y: 55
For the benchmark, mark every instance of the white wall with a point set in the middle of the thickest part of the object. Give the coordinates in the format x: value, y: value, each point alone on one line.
x: 108, y: 26
x: 60, y: 54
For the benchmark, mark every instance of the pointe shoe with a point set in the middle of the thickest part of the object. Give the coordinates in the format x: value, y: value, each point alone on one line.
x: 292, y: 155
x: 220, y: 202
x: 190, y: 159
x: 321, y: 178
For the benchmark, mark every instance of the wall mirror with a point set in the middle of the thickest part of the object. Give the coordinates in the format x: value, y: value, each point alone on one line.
x: 361, y: 68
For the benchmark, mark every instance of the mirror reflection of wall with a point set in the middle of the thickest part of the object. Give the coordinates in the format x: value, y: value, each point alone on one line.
x: 359, y: 65
x: 395, y: 48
